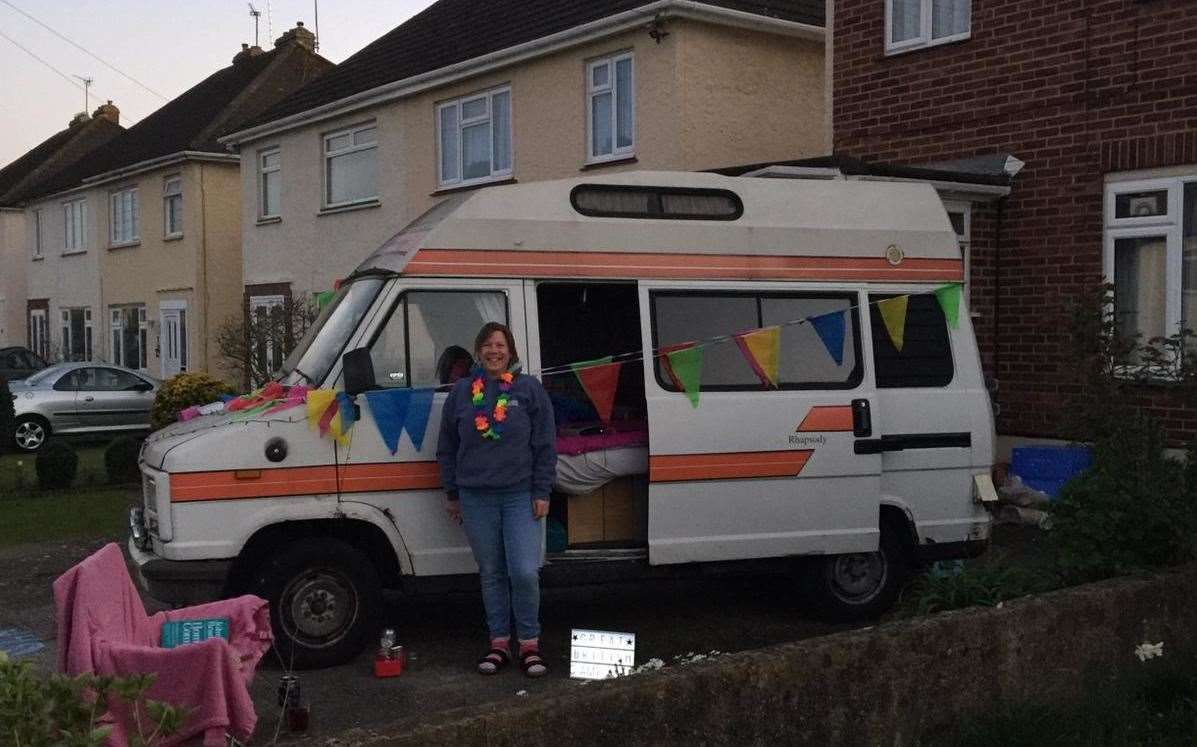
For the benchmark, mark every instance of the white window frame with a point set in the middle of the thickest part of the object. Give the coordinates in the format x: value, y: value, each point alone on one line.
x: 74, y: 226
x: 39, y: 332
x: 117, y: 324
x: 964, y: 240
x: 1170, y: 226
x: 267, y: 302
x: 488, y: 118
x: 264, y: 172
x: 88, y: 333
x: 114, y: 199
x: 39, y: 233
x: 617, y: 153
x: 923, y: 40
x: 163, y: 342
x: 330, y: 155
x: 172, y: 189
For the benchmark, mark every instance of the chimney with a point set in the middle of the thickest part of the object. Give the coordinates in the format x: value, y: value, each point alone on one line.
x: 79, y: 119
x: 246, y: 53
x: 298, y: 36
x: 109, y: 112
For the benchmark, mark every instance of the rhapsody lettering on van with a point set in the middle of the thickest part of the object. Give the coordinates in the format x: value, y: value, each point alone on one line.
x: 797, y: 440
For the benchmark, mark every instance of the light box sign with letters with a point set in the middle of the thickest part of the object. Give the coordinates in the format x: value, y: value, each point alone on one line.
x: 600, y: 654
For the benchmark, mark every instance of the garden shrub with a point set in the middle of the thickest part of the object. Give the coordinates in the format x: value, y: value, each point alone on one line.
x: 57, y: 465
x: 7, y: 414
x: 120, y: 460
x: 183, y: 391
x: 976, y: 585
x: 42, y: 710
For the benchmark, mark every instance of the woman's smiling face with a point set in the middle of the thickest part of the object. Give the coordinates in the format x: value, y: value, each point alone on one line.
x: 494, y: 354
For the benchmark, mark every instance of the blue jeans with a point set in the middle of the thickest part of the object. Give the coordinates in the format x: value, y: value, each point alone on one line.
x: 505, y: 538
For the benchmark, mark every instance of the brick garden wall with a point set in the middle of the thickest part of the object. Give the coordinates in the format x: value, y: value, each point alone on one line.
x: 1076, y: 89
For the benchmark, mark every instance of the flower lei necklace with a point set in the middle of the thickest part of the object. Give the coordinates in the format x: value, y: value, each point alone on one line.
x: 482, y: 423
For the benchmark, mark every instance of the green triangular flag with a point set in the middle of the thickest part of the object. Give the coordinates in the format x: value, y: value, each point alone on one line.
x: 325, y: 298
x: 949, y: 300
x: 686, y: 365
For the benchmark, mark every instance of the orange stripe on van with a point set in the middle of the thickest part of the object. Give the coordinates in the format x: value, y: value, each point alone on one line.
x: 827, y: 418
x: 506, y: 263
x: 684, y: 467
x: 187, y: 487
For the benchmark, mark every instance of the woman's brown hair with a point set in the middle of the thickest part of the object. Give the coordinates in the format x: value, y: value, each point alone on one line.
x: 489, y: 329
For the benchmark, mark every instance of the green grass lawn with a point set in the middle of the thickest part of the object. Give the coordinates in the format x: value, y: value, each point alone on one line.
x: 91, y: 509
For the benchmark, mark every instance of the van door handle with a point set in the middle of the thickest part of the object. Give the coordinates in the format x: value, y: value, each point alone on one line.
x: 89, y: 399
x: 862, y: 418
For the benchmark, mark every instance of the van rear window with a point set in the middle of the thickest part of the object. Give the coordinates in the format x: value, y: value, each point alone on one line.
x: 925, y: 359
x: 676, y: 203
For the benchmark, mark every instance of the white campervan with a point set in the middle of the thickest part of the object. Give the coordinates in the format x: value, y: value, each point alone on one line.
x: 865, y: 463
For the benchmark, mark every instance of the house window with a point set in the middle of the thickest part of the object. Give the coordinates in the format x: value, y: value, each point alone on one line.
x: 474, y: 138
x: 961, y: 216
x: 351, y: 166
x: 76, y: 334
x: 129, y: 336
x: 39, y: 333
x: 124, y: 217
x: 74, y: 215
x: 267, y: 332
x: 925, y: 359
x: 1151, y: 255
x: 611, y: 117
x: 38, y: 234
x: 913, y: 24
x: 269, y: 166
x: 172, y: 207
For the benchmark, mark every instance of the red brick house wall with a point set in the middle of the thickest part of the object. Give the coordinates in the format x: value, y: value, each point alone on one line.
x: 1075, y: 89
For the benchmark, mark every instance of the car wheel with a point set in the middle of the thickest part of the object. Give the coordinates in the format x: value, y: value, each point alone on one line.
x: 858, y: 586
x: 31, y: 433
x: 325, y: 599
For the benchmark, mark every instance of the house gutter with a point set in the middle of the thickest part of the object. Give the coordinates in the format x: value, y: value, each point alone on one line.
x: 987, y: 192
x: 154, y: 163
x: 572, y: 37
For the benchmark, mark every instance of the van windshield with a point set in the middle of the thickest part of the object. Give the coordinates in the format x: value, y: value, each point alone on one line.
x: 311, y: 360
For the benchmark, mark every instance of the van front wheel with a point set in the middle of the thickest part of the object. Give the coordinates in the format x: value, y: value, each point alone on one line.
x: 858, y: 586
x: 325, y: 599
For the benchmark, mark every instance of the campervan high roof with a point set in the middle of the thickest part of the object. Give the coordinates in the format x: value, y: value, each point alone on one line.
x: 682, y: 225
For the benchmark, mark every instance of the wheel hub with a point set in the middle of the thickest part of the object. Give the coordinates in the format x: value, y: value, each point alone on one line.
x: 30, y: 435
x: 320, y: 606
x: 858, y: 576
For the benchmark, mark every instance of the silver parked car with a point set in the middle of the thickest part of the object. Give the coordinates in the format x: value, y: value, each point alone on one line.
x: 80, y: 398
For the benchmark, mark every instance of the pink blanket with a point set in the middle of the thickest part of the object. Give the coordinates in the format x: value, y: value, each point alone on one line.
x: 103, y: 628
x: 571, y: 442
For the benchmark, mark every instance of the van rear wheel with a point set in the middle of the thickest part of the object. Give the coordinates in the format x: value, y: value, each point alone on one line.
x: 858, y: 586
x: 325, y: 599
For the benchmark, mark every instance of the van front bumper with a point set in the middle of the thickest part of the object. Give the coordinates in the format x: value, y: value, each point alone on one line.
x: 179, y: 582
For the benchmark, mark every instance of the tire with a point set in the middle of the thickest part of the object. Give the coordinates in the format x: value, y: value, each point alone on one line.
x: 325, y: 600
x: 858, y: 586
x: 30, y: 433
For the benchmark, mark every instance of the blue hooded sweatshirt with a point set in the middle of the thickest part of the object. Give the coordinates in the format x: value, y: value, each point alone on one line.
x: 524, y: 457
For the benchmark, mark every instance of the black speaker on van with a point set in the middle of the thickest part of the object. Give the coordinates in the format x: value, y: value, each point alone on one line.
x: 357, y: 368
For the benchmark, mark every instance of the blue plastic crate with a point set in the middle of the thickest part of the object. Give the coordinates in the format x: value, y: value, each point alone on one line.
x: 1048, y: 468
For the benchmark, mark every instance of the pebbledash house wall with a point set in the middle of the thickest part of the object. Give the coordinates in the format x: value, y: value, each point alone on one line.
x: 705, y: 96
x: 1078, y: 90
x: 12, y: 277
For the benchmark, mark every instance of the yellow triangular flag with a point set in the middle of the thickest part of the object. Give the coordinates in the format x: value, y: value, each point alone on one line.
x: 762, y: 348
x: 334, y: 430
x: 893, y: 313
x: 318, y: 402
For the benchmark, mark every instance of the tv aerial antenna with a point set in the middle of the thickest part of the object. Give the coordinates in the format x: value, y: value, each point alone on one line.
x: 256, y: 15
x: 86, y: 91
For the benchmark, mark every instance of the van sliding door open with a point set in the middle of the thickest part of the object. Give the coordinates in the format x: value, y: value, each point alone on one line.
x: 760, y: 460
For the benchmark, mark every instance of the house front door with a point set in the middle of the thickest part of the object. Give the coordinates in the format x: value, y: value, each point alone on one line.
x: 174, y: 340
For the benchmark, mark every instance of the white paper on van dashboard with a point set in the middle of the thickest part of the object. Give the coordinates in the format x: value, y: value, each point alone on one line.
x: 601, y: 654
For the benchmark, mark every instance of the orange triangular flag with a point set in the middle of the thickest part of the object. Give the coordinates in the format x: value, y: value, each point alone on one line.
x: 762, y: 348
x: 600, y: 379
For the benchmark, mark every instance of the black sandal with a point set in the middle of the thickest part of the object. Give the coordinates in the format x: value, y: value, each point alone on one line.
x: 532, y: 663
x: 494, y: 661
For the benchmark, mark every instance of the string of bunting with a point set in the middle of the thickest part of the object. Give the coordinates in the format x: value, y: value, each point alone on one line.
x: 398, y: 411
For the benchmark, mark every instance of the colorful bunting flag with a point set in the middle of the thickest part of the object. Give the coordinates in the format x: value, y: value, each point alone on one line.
x: 684, y: 366
x: 342, y: 423
x: 418, y: 410
x: 762, y: 349
x: 949, y: 300
x: 893, y: 313
x: 318, y: 404
x: 830, y: 328
x: 325, y: 298
x: 600, y: 379
x: 389, y: 409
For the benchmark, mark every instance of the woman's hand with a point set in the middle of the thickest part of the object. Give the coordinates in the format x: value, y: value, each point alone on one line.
x: 540, y: 508
x: 453, y: 508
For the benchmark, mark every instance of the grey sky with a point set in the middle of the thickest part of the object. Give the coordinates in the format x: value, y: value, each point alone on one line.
x: 168, y: 45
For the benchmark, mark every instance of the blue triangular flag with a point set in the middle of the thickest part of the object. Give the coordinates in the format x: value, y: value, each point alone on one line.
x: 830, y: 328
x: 389, y: 408
x: 418, y: 410
x: 347, y: 410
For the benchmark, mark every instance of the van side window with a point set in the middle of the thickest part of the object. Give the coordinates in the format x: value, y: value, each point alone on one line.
x: 429, y: 338
x: 805, y: 363
x: 926, y: 356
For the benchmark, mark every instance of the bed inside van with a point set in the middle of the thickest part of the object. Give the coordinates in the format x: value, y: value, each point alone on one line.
x: 600, y: 501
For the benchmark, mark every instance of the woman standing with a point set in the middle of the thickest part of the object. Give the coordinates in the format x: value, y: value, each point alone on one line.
x: 498, y: 460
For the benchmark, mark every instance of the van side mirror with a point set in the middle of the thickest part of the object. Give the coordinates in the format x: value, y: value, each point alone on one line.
x: 357, y: 368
